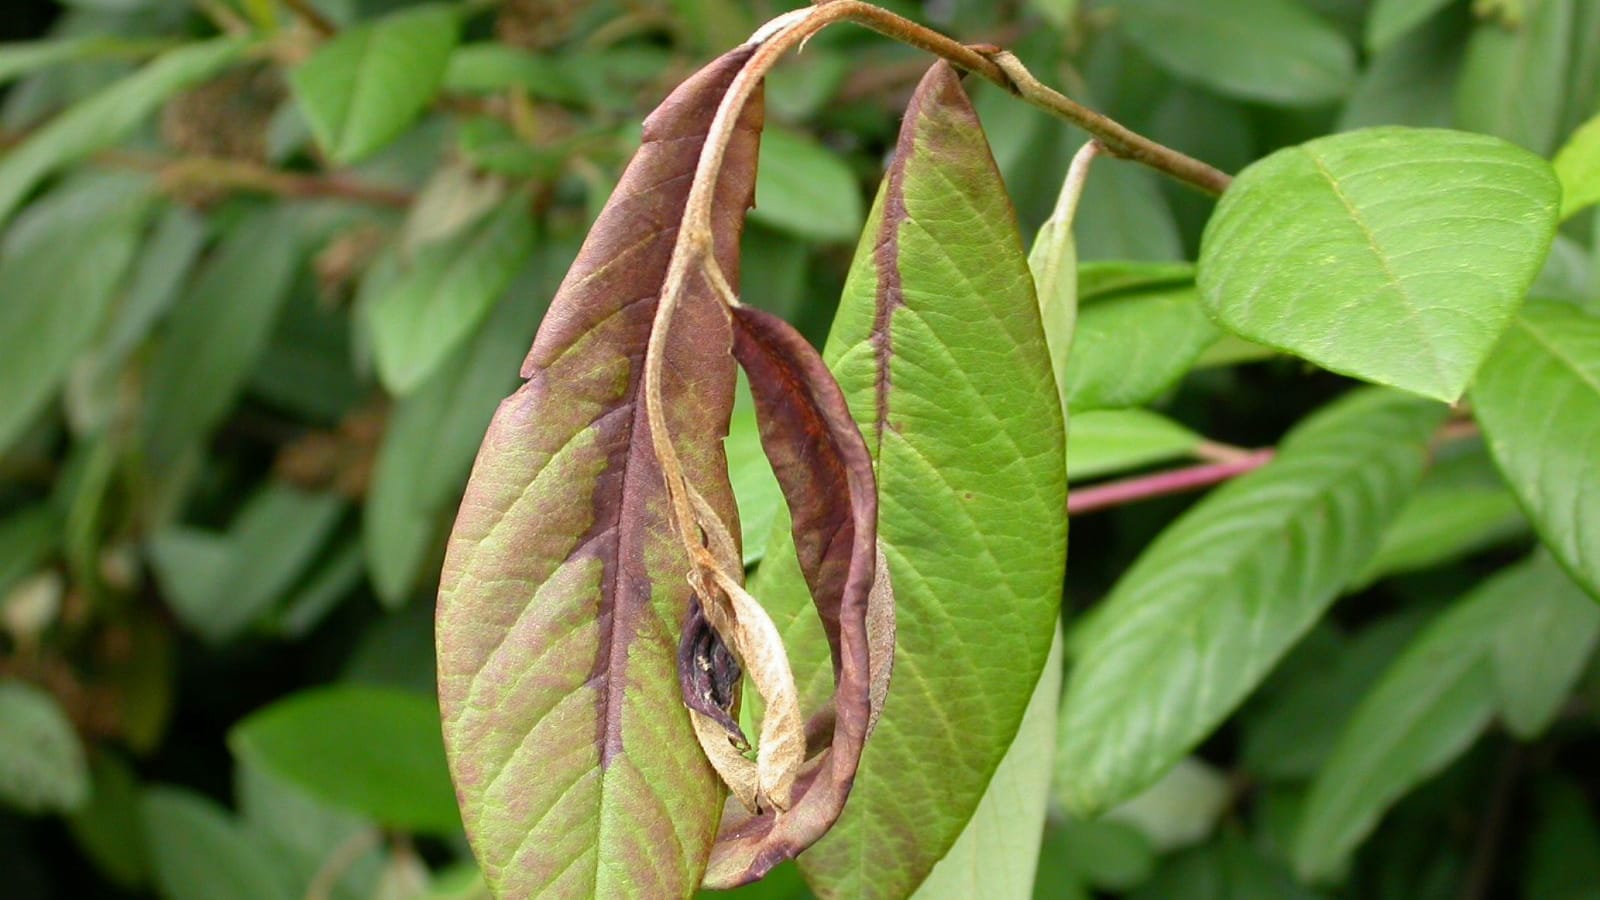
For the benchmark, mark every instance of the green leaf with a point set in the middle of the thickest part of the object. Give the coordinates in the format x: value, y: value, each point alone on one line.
x: 1179, y: 810
x: 1268, y: 50
x: 1540, y: 653
x: 1425, y: 711
x: 109, y: 829
x: 1111, y: 856
x: 1132, y: 346
x: 434, y: 432
x: 998, y: 852
x: 973, y: 530
x: 1461, y: 507
x: 1053, y: 260
x: 216, y: 332
x: 42, y: 768
x: 1216, y: 600
x: 220, y: 585
x: 426, y: 306
x: 26, y: 539
x: 1390, y: 19
x: 1312, y: 251
x: 19, y: 59
x: 107, y: 117
x: 1513, y: 80
x: 375, y: 751
x: 1578, y: 166
x: 60, y: 279
x: 199, y: 852
x: 364, y: 87
x: 755, y: 487
x: 1538, y: 399
x: 1411, y: 81
x: 1125, y: 216
x: 489, y: 67
x: 805, y: 189
x: 1106, y: 441
x: 1564, y: 850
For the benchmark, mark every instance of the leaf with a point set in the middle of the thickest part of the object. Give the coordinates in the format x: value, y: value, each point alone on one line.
x: 433, y: 302
x: 1461, y: 507
x: 60, y: 280
x: 938, y: 339
x: 1311, y: 252
x: 108, y: 829
x: 489, y: 66
x: 1411, y: 81
x: 1216, y: 600
x: 1540, y: 653
x: 1425, y: 711
x: 1513, y: 80
x: 1053, y: 261
x: 1577, y: 164
x: 107, y: 117
x: 1106, y: 441
x: 806, y: 189
x: 1108, y: 855
x: 220, y: 585
x: 998, y: 851
x: 433, y: 434
x: 1130, y: 347
x: 588, y: 780
x: 1179, y: 810
x: 199, y: 852
x: 1564, y: 850
x: 374, y: 751
x: 42, y: 767
x: 1390, y: 19
x: 21, y: 58
x: 754, y: 486
x: 1131, y: 219
x: 1273, y: 51
x: 26, y: 539
x: 361, y: 89
x: 1538, y: 399
x: 216, y: 332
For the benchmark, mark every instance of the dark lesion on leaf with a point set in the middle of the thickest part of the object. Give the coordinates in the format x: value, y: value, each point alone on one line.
x: 709, y: 675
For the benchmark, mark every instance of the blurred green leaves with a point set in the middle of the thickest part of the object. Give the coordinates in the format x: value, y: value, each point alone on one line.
x: 42, y: 767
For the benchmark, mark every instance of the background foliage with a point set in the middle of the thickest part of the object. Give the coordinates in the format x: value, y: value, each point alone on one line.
x: 260, y: 290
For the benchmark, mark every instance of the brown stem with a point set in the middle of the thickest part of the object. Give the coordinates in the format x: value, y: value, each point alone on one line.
x: 312, y: 16
x: 236, y: 174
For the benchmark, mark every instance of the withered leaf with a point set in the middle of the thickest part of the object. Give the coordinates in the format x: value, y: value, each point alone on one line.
x: 822, y: 464
x: 564, y: 589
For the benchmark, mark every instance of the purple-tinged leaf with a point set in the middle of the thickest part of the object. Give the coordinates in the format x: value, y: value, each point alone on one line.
x: 564, y: 591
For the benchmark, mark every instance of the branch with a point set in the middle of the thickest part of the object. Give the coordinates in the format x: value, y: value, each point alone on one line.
x: 235, y: 174
x: 313, y: 17
x: 1161, y: 484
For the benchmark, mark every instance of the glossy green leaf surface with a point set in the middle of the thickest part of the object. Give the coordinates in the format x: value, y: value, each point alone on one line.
x: 998, y: 851
x: 1427, y: 708
x: 1274, y: 51
x: 107, y: 117
x: 938, y: 339
x: 1217, y: 599
x: 199, y: 852
x: 374, y: 751
x: 1130, y: 346
x: 364, y: 87
x: 427, y: 305
x: 1578, y: 166
x: 42, y: 767
x: 1106, y: 441
x: 805, y: 189
x: 1394, y: 255
x: 60, y: 280
x: 1538, y: 399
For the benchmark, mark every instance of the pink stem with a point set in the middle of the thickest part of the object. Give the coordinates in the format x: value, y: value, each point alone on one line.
x: 1161, y: 484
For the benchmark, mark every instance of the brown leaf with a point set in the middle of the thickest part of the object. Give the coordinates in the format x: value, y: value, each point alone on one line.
x: 822, y: 464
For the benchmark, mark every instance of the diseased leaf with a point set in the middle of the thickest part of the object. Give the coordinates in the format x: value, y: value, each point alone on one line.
x: 998, y: 852
x: 938, y: 340
x: 1394, y: 255
x: 42, y: 767
x: 1106, y: 441
x: 1538, y: 399
x: 587, y: 779
x: 1217, y: 599
x: 107, y: 117
x: 366, y: 85
x: 373, y: 751
x: 427, y: 305
x: 1273, y: 51
x: 823, y: 467
x: 1425, y: 711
